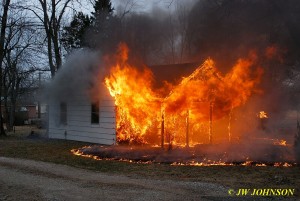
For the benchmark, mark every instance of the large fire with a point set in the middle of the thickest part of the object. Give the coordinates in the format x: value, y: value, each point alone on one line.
x: 137, y: 104
x: 185, y: 116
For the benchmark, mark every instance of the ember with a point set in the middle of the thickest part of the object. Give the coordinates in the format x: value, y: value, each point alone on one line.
x: 262, y: 115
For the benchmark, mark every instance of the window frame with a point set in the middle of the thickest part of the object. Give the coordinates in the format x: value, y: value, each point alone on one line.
x: 63, y: 113
x: 95, y: 113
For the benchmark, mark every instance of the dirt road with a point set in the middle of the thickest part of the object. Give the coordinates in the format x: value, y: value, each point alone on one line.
x: 31, y: 180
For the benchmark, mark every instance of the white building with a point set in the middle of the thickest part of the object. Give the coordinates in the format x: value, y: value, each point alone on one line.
x: 82, y: 120
x: 74, y: 112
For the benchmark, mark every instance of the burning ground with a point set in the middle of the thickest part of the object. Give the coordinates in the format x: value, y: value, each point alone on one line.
x: 202, y: 155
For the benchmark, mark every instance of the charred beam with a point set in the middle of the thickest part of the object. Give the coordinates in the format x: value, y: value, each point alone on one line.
x: 210, y: 122
x: 187, y: 127
x: 229, y: 125
x: 162, y: 131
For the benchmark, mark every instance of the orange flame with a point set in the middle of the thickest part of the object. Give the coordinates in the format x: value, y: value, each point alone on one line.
x: 79, y: 152
x: 280, y: 142
x: 262, y: 115
x: 137, y: 103
x: 140, y: 108
x: 273, y: 52
x: 206, y: 84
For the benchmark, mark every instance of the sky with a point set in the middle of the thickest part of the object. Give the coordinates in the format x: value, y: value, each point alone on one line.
x: 142, y: 5
x: 146, y: 6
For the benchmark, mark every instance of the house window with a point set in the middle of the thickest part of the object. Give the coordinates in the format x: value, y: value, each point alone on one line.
x: 63, y: 113
x: 95, y: 113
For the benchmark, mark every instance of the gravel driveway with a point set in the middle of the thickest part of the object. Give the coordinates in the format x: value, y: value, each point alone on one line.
x: 31, y: 180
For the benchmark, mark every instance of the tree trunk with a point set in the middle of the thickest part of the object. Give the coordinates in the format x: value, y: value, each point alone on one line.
x: 2, y: 40
x: 49, y: 32
x: 50, y: 59
x: 2, y: 132
x: 54, y: 34
x: 56, y: 50
x: 10, y: 120
x: 7, y: 111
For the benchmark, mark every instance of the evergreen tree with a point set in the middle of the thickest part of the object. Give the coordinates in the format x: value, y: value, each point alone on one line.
x: 98, y: 31
x: 104, y: 30
x: 73, y: 35
x: 102, y: 7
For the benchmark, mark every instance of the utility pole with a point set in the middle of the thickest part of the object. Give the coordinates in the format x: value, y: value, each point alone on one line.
x: 39, y: 102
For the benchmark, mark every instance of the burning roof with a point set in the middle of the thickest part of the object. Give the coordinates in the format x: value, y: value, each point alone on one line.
x: 171, y: 73
x: 141, y: 107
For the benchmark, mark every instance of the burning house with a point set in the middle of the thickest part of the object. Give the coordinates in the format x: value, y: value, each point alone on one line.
x: 152, y: 105
x: 182, y: 111
x: 115, y: 102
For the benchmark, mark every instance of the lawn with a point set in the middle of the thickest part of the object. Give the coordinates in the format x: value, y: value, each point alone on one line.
x: 22, y: 145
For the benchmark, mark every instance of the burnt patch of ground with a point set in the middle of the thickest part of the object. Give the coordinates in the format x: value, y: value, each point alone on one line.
x: 225, y: 154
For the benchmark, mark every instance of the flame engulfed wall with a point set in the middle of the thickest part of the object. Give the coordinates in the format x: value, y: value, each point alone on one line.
x: 190, y: 107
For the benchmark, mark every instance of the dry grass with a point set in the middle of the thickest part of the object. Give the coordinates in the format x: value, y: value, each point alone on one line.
x: 21, y: 145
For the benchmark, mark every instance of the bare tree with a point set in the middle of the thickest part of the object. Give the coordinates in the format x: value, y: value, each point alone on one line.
x: 19, y: 40
x: 5, y: 7
x: 176, y: 35
x: 50, y: 14
x: 127, y: 7
x: 182, y: 18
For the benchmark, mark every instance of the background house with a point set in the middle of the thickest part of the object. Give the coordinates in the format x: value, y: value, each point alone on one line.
x: 25, y: 108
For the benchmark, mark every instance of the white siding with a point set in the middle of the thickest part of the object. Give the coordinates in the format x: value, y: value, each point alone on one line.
x: 79, y: 126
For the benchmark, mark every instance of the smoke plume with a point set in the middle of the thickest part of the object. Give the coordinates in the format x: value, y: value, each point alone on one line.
x: 80, y: 72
